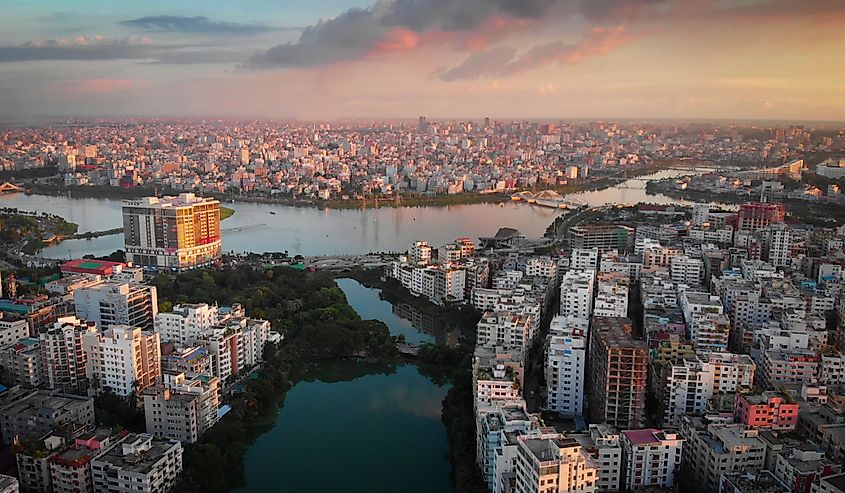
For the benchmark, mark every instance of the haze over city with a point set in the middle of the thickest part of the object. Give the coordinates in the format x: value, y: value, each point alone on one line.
x: 327, y: 59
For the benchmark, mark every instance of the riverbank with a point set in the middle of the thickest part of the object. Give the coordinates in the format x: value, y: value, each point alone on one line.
x: 405, y: 200
x: 816, y: 214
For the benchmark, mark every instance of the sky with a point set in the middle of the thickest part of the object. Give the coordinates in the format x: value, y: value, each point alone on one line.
x: 331, y: 59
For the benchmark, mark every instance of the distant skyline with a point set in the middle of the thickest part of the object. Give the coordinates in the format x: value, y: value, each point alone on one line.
x: 335, y: 59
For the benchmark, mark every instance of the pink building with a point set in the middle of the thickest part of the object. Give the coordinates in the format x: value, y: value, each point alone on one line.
x: 773, y: 410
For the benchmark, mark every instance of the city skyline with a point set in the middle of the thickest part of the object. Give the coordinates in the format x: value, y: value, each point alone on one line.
x: 332, y: 59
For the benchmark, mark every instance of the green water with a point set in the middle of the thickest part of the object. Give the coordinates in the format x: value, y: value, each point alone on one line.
x: 355, y: 427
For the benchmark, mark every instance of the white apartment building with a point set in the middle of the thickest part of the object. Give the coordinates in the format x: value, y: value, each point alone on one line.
x: 63, y: 356
x: 182, y: 408
x: 576, y: 294
x: 651, y: 458
x: 686, y: 270
x: 566, y: 358
x: 778, y: 241
x: 139, y: 464
x: 507, y: 279
x: 658, y: 256
x: 584, y: 259
x: 186, y: 323
x: 501, y: 328
x: 419, y: 253
x: 542, y: 267
x: 123, y: 359
x: 688, y: 387
x: 117, y: 303
x: 611, y: 300
x: 486, y: 299
x: 492, y: 429
x: 12, y: 329
x: 554, y: 463
x: 497, y: 376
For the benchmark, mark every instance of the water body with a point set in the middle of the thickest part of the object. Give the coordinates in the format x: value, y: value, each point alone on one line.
x: 311, y: 231
x: 402, y: 318
x: 356, y: 427
x: 370, y: 306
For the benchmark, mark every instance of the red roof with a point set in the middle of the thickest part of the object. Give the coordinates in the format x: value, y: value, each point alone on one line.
x: 641, y: 437
x: 85, y: 266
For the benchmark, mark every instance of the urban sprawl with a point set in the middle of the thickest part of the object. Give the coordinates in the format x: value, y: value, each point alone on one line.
x: 633, y: 348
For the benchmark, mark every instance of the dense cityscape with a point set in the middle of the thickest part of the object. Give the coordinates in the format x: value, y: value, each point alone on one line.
x: 422, y: 246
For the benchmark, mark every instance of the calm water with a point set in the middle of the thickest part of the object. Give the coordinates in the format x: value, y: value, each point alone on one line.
x: 370, y: 306
x: 356, y: 427
x: 310, y: 231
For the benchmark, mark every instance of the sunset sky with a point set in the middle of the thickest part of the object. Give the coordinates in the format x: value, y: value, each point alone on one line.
x: 324, y: 59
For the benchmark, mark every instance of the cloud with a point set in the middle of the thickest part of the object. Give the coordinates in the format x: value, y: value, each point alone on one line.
x: 500, y: 61
x: 198, y: 24
x: 480, y: 63
x: 80, y: 48
x: 98, y: 86
x: 98, y: 48
x: 403, y: 24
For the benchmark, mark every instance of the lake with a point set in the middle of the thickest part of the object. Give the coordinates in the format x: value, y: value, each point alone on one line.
x: 355, y: 426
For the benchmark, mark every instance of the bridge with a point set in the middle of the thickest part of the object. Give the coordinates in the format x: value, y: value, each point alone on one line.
x: 10, y: 187
x: 547, y: 198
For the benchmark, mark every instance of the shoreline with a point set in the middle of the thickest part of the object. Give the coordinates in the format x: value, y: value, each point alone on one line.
x: 411, y: 200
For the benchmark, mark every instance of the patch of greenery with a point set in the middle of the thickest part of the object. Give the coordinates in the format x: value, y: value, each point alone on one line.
x: 226, y: 212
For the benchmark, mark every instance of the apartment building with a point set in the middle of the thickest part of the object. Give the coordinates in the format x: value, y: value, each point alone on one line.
x: 566, y: 359
x: 21, y: 363
x: 139, y: 464
x: 716, y: 449
x: 554, y: 463
x: 651, y: 458
x: 182, y: 407
x: 576, y: 294
x: 602, y: 443
x: 122, y: 359
x: 117, y: 303
x: 35, y: 413
x: 186, y: 323
x: 62, y: 354
x: 503, y: 328
x: 772, y: 410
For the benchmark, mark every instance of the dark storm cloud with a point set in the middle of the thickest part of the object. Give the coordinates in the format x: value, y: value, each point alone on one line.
x: 197, y: 24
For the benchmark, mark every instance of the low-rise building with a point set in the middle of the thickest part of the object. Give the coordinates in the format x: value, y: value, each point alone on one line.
x: 651, y: 457
x: 182, y: 408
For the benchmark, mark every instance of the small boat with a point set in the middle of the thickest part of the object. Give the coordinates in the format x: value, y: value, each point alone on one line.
x: 273, y: 212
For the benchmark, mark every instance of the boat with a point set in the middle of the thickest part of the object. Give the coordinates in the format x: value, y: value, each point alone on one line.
x: 273, y: 212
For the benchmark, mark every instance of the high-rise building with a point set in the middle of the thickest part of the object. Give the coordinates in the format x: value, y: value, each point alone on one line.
x: 778, y: 245
x: 62, y: 354
x: 617, y: 373
x: 172, y: 233
x: 566, y: 360
x: 117, y: 303
x: 758, y: 215
x: 12, y: 329
x: 716, y: 449
x: 123, y: 359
